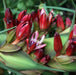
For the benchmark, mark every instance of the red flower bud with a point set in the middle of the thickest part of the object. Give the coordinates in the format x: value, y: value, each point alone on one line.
x: 71, y: 35
x: 45, y: 59
x: 43, y: 22
x: 26, y: 18
x: 16, y: 22
x: 21, y: 15
x: 57, y: 44
x: 70, y: 49
x: 50, y: 16
x: 23, y: 31
x: 39, y: 53
x: 60, y: 23
x: 35, y: 16
x: 30, y: 46
x: 8, y: 14
x: 74, y: 30
x: 8, y: 19
x: 68, y: 22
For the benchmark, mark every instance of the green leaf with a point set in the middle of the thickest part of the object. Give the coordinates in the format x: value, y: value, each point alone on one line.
x: 2, y: 39
x: 67, y: 67
x: 66, y: 31
x: 48, y: 73
x: 9, y: 48
x: 11, y: 36
x: 22, y: 61
x: 7, y: 29
x: 4, y: 67
x: 58, y: 8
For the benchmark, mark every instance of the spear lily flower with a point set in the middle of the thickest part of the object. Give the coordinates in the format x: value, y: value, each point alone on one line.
x: 70, y: 48
x: 60, y: 23
x: 27, y: 17
x: 45, y: 59
x: 44, y: 20
x: 34, y: 43
x: 21, y: 15
x: 68, y: 22
x: 22, y: 31
x: 8, y: 19
x: 39, y: 53
x: 57, y: 44
x: 35, y: 16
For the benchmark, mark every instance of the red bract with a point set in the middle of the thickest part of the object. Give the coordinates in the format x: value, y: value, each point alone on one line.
x: 34, y: 43
x: 8, y: 18
x: 35, y: 17
x: 74, y: 30
x: 30, y: 46
x: 45, y: 59
x: 21, y: 15
x: 23, y: 31
x: 16, y: 22
x: 70, y: 49
x: 27, y: 17
x: 39, y: 53
x: 44, y: 20
x: 60, y: 23
x: 57, y: 44
x: 68, y: 22
x: 71, y: 35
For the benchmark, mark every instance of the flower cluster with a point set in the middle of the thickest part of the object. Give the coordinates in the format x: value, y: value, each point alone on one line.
x: 36, y: 45
x: 34, y: 40
x: 70, y: 45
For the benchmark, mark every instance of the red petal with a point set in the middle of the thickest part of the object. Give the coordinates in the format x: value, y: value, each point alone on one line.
x: 69, y: 49
x: 50, y: 16
x: 23, y: 30
x: 21, y: 15
x: 57, y: 44
x: 60, y: 22
x: 39, y: 53
x: 31, y: 48
x: 45, y: 59
x: 71, y: 35
x: 26, y: 18
x: 74, y: 30
x: 8, y: 13
x: 68, y: 22
x: 43, y: 21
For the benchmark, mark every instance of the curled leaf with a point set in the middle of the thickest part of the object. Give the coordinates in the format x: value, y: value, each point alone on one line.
x: 9, y: 48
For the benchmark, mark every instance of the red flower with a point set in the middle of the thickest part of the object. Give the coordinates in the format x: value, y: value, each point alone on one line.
x: 39, y: 53
x: 68, y: 22
x: 8, y: 19
x: 73, y: 32
x: 21, y: 15
x: 23, y: 31
x: 60, y: 23
x: 57, y: 44
x: 30, y: 46
x: 71, y: 35
x: 34, y: 43
x: 44, y: 20
x: 70, y: 48
x: 35, y: 17
x: 45, y: 59
x: 27, y: 17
